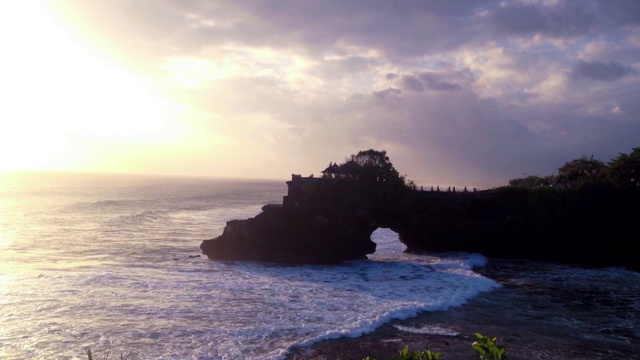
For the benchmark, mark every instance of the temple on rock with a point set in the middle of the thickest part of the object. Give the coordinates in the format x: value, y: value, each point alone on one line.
x: 330, y: 219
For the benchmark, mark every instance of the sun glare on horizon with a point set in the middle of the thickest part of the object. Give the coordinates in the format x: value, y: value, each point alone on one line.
x: 63, y: 106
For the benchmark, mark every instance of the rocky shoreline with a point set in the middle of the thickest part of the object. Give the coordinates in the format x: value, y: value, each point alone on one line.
x: 533, y: 319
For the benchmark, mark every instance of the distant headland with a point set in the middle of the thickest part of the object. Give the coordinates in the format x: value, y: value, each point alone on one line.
x: 587, y: 214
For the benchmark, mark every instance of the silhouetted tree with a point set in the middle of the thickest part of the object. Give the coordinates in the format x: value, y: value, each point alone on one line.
x: 624, y: 170
x: 373, y: 158
x: 372, y: 165
x: 581, y: 171
x: 533, y: 181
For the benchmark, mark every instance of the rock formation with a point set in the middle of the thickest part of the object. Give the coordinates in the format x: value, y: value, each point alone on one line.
x: 331, y: 219
x: 321, y: 220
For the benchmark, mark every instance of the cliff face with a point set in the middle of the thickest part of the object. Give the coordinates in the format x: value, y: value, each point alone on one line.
x: 295, y: 235
x: 320, y: 221
x: 594, y: 225
x: 331, y: 220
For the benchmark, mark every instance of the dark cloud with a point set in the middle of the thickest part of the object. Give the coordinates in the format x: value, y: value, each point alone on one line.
x: 566, y: 18
x: 441, y: 85
x: 437, y: 81
x: 603, y: 71
x: 343, y: 67
x: 395, y: 28
x: 411, y: 83
x: 427, y: 81
x: 622, y: 12
x: 384, y: 94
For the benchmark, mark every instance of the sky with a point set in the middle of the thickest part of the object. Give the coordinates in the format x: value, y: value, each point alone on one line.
x: 464, y: 93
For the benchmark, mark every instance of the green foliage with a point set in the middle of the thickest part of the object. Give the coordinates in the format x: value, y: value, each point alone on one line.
x: 373, y: 158
x: 485, y: 347
x: 372, y: 165
x: 533, y: 181
x: 405, y: 354
x: 581, y: 171
x: 488, y: 349
x: 624, y: 170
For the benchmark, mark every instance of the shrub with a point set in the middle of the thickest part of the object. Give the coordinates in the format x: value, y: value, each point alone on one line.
x: 488, y: 349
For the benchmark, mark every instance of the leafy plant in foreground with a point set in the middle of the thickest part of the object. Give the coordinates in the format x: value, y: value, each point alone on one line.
x: 405, y: 354
x: 488, y: 349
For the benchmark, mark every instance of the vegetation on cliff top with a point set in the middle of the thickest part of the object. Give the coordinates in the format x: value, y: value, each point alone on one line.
x: 622, y: 171
x: 365, y: 182
x: 369, y: 165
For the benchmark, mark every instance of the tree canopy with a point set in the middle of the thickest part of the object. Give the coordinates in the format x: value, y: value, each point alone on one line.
x: 533, y: 181
x: 373, y: 158
x: 373, y: 165
x: 622, y: 171
x: 580, y: 171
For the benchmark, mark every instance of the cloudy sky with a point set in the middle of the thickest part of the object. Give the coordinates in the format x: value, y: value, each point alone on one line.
x: 466, y: 93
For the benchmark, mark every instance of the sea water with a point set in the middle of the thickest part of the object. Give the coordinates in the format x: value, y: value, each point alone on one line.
x: 111, y: 264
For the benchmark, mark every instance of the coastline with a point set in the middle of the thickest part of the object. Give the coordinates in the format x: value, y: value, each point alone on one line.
x: 530, y: 320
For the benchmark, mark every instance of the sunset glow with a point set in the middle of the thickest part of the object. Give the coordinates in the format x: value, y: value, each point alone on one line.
x: 59, y: 95
x: 244, y: 90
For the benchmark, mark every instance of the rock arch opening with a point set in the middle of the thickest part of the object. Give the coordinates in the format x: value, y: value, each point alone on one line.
x: 387, y: 242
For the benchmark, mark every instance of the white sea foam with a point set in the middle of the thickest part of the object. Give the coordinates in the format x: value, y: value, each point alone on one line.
x: 429, y: 329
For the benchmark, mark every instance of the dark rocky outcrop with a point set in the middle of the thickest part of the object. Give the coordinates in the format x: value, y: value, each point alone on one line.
x: 321, y: 220
x: 291, y: 235
x: 328, y: 220
x: 594, y: 225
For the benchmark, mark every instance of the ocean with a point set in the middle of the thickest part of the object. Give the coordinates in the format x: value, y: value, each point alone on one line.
x: 112, y: 263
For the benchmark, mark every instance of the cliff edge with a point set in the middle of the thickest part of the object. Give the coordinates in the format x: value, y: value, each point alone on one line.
x: 330, y: 219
